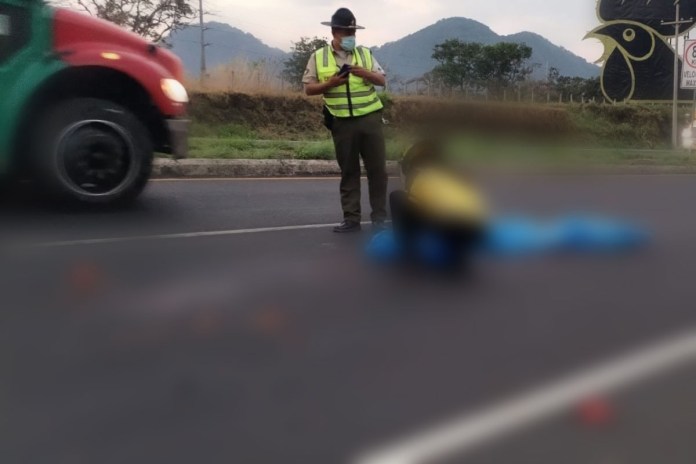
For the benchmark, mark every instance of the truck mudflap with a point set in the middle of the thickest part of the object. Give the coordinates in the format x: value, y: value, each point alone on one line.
x: 178, y: 137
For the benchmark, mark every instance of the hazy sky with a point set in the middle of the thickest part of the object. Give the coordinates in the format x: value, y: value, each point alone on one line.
x: 279, y: 22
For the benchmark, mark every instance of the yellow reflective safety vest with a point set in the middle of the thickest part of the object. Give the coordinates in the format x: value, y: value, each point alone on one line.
x: 358, y: 97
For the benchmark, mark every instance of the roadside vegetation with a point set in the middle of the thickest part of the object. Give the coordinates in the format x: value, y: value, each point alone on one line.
x: 480, y: 97
x: 289, y: 126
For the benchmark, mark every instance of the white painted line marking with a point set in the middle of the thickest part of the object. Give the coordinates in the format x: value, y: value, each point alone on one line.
x: 215, y: 233
x: 248, y: 179
x: 462, y: 435
x: 239, y: 179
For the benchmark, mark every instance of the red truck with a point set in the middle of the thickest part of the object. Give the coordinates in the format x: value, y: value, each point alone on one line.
x: 84, y: 104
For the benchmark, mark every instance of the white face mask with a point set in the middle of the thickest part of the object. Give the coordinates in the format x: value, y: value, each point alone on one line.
x: 348, y: 43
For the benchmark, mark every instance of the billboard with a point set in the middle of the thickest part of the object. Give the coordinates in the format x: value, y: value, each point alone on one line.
x: 638, y: 60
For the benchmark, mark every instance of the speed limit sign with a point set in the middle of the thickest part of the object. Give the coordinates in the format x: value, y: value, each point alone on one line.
x: 688, y: 80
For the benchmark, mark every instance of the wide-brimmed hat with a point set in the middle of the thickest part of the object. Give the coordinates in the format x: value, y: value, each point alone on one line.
x: 343, y: 19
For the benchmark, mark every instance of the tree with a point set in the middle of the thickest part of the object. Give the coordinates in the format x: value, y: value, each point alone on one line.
x: 459, y: 63
x: 432, y: 82
x: 592, y: 89
x: 553, y: 76
x: 579, y: 88
x: 474, y: 66
x: 297, y: 63
x: 152, y: 19
x: 505, y: 64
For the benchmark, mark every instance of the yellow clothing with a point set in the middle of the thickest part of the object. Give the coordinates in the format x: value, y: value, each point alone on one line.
x: 443, y: 196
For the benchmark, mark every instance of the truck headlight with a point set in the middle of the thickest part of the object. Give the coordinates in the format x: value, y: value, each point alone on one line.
x: 174, y: 90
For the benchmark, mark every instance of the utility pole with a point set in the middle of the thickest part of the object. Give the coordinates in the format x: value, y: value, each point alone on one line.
x: 204, y: 70
x: 678, y: 21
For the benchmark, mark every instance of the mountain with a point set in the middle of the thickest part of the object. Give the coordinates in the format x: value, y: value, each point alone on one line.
x: 404, y: 59
x: 547, y: 55
x: 411, y: 56
x: 227, y: 43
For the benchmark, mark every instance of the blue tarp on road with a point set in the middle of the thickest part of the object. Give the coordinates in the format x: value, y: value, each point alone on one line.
x: 516, y: 236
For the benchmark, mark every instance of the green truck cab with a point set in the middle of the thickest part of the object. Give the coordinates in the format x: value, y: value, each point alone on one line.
x: 84, y: 104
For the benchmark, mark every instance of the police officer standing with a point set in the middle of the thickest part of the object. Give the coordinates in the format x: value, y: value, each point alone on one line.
x: 346, y: 75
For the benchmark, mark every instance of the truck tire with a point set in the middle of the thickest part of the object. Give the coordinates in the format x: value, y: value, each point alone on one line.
x: 93, y: 151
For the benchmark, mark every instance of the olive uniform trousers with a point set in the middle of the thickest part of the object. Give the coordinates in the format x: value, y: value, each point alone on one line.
x: 355, y: 138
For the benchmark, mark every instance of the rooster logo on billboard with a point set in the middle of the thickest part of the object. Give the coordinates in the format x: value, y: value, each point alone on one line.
x: 638, y: 58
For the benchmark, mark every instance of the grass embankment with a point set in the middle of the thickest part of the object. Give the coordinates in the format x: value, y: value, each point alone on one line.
x: 239, y: 126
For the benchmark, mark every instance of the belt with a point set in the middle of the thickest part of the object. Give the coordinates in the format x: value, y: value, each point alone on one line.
x: 350, y: 118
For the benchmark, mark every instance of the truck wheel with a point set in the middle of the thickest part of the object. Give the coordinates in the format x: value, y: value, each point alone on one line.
x: 94, y: 151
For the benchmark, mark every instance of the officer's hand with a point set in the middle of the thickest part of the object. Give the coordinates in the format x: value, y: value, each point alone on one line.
x: 336, y: 81
x: 360, y: 72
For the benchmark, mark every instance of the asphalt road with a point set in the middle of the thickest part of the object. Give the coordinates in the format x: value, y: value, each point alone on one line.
x: 288, y: 346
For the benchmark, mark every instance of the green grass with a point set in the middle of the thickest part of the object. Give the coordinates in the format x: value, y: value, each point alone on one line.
x: 474, y: 150
x: 241, y: 148
x: 598, y: 134
x: 289, y: 117
x: 236, y: 148
x: 510, y: 151
x: 239, y: 131
x: 622, y: 126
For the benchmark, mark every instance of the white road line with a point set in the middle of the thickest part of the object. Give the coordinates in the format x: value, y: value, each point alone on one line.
x: 248, y: 179
x: 462, y: 435
x: 239, y: 179
x: 215, y: 233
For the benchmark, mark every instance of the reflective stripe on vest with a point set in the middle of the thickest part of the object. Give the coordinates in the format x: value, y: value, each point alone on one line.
x: 358, y: 98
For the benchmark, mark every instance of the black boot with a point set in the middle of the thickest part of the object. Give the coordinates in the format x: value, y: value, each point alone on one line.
x: 347, y: 227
